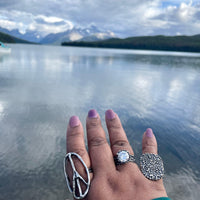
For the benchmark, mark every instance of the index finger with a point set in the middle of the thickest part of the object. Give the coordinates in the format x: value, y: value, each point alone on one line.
x: 75, y: 143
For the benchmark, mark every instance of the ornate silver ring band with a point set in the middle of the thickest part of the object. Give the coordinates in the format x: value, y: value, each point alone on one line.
x: 151, y: 165
x: 77, y: 179
x: 123, y: 157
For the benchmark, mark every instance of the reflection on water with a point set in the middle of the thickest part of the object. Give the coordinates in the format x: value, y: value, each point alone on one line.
x: 42, y: 86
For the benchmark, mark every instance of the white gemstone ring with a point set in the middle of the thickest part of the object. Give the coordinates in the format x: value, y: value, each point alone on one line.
x: 123, y: 157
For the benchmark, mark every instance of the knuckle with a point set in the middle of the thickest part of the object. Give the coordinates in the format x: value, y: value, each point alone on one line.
x: 97, y: 141
x: 71, y: 140
x: 150, y: 143
x: 80, y: 151
x: 74, y: 133
x: 116, y: 132
x: 120, y: 143
x: 76, y: 148
x: 149, y: 148
x: 113, y: 126
x: 91, y: 124
x: 112, y: 182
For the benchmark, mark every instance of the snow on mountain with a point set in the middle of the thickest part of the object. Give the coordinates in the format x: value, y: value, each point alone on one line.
x: 75, y: 36
x: 91, y: 33
x: 32, y: 36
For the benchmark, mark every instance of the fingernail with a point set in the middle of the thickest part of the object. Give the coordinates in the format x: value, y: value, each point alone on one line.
x: 110, y: 114
x: 74, y: 121
x: 149, y: 132
x: 92, y: 114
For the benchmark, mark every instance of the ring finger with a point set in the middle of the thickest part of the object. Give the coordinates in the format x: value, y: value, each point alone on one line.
x: 117, y: 135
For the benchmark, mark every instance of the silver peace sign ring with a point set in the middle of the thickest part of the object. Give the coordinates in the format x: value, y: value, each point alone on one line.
x: 76, y: 189
x: 123, y: 157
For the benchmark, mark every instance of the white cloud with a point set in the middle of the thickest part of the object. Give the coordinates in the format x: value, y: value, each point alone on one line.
x: 7, y: 24
x: 186, y: 12
x: 172, y: 19
x: 24, y: 21
x: 49, y: 19
x: 139, y: 17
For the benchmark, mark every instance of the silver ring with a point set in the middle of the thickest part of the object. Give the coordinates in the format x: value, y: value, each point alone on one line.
x: 123, y: 157
x: 76, y: 189
x: 151, y: 165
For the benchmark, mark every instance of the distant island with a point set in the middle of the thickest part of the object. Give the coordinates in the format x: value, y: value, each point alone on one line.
x: 11, y: 39
x: 159, y: 43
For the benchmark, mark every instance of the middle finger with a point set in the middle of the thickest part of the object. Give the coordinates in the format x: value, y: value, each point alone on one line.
x: 99, y: 149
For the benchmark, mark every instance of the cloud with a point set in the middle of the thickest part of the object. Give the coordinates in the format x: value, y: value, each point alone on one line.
x: 127, y: 18
x: 27, y: 21
x: 50, y: 24
x: 7, y: 3
x: 181, y: 19
x: 48, y: 19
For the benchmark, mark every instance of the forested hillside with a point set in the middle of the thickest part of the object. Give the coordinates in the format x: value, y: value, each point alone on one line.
x: 167, y: 43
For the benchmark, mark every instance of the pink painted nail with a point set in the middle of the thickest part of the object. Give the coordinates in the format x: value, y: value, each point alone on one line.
x: 74, y: 121
x: 92, y: 114
x: 110, y: 114
x: 149, y: 132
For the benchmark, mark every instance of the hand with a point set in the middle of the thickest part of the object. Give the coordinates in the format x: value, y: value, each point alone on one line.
x: 108, y: 181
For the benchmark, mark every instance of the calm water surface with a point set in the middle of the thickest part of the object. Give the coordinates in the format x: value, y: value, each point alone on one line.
x: 42, y: 86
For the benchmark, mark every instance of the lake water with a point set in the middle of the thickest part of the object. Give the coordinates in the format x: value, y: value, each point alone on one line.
x: 42, y: 86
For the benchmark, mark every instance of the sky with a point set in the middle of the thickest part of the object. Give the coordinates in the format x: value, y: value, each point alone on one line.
x: 123, y: 17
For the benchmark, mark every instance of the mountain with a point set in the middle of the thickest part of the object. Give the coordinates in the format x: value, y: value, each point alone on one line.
x: 10, y: 39
x: 32, y: 36
x: 91, y: 33
x: 159, y: 42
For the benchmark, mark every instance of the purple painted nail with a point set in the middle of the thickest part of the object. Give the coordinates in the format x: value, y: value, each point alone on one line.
x: 149, y: 132
x: 92, y: 114
x: 110, y: 114
x: 74, y: 121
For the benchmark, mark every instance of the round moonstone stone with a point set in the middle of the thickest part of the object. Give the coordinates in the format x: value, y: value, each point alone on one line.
x: 123, y: 156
